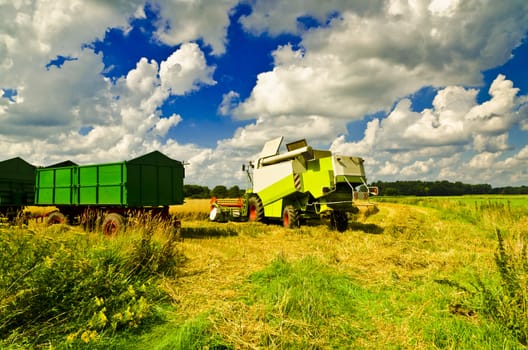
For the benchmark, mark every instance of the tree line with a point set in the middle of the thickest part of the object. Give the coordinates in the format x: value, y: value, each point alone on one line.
x: 220, y: 191
x: 442, y: 188
x: 386, y: 188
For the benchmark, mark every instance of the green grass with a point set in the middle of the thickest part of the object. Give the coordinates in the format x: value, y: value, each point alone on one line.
x: 498, y: 211
x: 309, y: 305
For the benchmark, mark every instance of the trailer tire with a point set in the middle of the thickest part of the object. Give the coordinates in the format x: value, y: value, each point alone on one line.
x: 255, y: 209
x: 113, y: 224
x: 290, y: 217
x: 56, y: 217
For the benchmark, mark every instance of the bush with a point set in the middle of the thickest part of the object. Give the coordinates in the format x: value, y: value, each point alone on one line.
x: 78, y: 288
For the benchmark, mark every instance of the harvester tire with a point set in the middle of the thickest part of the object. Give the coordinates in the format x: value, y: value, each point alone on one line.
x: 290, y: 217
x: 340, y: 220
x: 113, y: 224
x: 255, y: 209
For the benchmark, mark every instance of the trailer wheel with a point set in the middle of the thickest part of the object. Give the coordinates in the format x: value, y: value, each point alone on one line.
x: 255, y: 209
x: 290, y: 217
x: 113, y: 224
x: 340, y: 219
x: 55, y: 218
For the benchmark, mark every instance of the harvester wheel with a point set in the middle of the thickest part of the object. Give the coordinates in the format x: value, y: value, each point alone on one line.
x: 255, y: 209
x: 340, y: 220
x: 56, y: 217
x: 290, y: 217
x: 113, y: 224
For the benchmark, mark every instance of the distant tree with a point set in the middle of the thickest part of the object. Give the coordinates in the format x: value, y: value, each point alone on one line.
x: 234, y: 192
x: 480, y: 189
x: 219, y: 191
x: 390, y: 191
x: 196, y: 191
x: 511, y: 190
x: 396, y: 188
x: 439, y: 188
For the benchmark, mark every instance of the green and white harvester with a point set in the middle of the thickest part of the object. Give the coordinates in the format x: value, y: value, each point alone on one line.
x: 298, y: 186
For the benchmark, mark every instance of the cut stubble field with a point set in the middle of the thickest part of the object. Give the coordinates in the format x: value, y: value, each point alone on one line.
x: 406, y: 268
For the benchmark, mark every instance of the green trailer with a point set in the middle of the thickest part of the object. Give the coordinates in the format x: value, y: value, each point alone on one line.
x: 108, y: 194
x: 299, y: 185
x: 17, y: 182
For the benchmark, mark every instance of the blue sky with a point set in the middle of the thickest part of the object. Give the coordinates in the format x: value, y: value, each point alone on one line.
x: 423, y: 90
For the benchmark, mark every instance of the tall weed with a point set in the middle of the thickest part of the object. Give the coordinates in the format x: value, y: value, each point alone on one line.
x: 150, y: 254
x: 74, y: 288
x: 503, y: 297
x: 507, y: 302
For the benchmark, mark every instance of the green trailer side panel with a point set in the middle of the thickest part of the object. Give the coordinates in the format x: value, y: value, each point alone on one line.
x: 87, y: 195
x: 165, y: 178
x: 112, y: 184
x: 17, y: 182
x: 65, y: 185
x: 44, y: 186
x: 102, y: 184
x: 155, y: 180
x: 88, y: 176
x: 17, y: 169
x: 55, y: 186
x: 81, y: 185
x: 44, y: 196
x: 149, y: 184
x: 178, y: 174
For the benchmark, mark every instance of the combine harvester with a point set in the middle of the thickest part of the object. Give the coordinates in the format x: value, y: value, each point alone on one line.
x: 297, y: 186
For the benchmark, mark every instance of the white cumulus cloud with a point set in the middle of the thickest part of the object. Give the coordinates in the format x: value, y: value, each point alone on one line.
x: 364, y: 57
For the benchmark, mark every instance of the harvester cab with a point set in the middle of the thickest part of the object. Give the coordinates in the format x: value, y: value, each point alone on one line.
x: 299, y: 185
